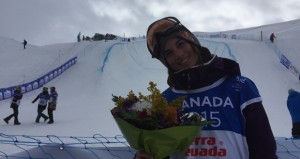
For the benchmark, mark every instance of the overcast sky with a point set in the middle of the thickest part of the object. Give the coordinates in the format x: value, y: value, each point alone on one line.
x: 43, y: 22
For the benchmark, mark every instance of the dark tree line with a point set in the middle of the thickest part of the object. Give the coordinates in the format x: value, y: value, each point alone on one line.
x: 98, y: 37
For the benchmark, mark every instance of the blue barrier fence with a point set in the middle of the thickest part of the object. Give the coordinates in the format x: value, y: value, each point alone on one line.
x: 283, y: 59
x: 6, y: 93
x: 96, y: 146
x: 257, y: 37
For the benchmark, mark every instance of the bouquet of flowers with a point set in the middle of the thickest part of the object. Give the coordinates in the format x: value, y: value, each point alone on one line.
x: 152, y: 124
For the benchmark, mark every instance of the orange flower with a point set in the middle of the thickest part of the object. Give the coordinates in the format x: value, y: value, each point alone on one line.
x: 170, y: 116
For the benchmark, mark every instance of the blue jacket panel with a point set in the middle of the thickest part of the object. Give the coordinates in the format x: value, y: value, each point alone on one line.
x: 293, y: 104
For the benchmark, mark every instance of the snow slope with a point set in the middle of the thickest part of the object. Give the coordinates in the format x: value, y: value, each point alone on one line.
x: 115, y: 67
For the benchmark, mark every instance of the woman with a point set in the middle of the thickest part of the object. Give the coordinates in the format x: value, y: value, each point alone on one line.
x: 15, y: 102
x: 215, y: 89
x: 43, y: 98
x: 52, y: 104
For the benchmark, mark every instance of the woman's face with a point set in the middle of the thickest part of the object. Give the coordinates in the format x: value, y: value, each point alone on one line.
x: 179, y: 54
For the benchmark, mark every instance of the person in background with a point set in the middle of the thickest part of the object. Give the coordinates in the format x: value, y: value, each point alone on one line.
x: 24, y: 43
x: 52, y: 103
x: 272, y: 37
x: 15, y: 102
x: 43, y: 99
x: 293, y: 104
x: 213, y: 87
x: 78, y: 37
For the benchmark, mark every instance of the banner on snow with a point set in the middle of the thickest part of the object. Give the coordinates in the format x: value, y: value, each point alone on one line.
x: 6, y: 93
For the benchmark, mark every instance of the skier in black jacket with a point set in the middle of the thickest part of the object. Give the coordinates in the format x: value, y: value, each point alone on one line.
x: 24, y: 43
x: 15, y: 102
x: 43, y: 99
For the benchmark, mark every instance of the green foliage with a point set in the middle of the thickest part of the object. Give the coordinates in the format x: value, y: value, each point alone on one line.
x: 98, y: 37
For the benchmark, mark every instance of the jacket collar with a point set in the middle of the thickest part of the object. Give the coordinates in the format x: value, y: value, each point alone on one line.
x: 204, y: 75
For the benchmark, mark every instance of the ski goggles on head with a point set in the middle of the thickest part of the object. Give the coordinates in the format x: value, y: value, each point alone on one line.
x: 158, y: 29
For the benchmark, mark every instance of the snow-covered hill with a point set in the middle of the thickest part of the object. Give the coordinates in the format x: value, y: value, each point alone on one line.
x: 115, y: 67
